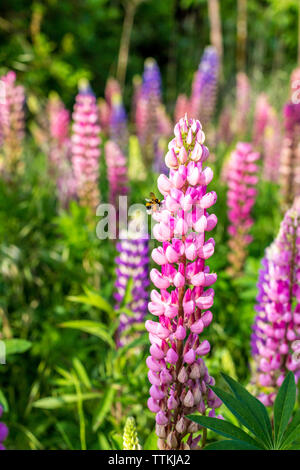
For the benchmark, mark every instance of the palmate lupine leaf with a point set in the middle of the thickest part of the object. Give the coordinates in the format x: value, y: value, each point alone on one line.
x: 292, y: 432
x: 257, y: 409
x: 243, y: 414
x: 283, y: 406
x: 226, y: 429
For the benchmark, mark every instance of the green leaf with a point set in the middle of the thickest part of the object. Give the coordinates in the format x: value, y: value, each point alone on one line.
x: 88, y: 326
x: 243, y: 414
x: 230, y: 444
x: 283, y: 406
x: 94, y: 300
x: 128, y: 293
x: 292, y: 432
x: 104, y: 407
x: 52, y: 403
x: 81, y: 372
x: 151, y: 441
x: 16, y: 346
x: 224, y: 428
x: 257, y: 409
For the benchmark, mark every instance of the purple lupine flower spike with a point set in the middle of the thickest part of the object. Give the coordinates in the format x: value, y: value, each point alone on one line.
x: 276, y: 330
x: 204, y: 88
x: 290, y: 155
x: 118, y: 122
x: 3, y: 430
x: 12, y: 123
x: 241, y: 196
x: 132, y: 262
x: 183, y: 295
x: 85, y: 147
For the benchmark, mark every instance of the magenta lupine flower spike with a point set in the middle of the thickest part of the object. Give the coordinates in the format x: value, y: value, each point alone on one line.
x: 184, y: 294
x: 12, y: 122
x: 3, y: 430
x: 116, y: 172
x: 261, y: 118
x: 60, y: 150
x: 242, y: 104
x: 242, y: 180
x: 181, y: 107
x: 85, y: 147
x: 276, y: 331
x: 290, y: 155
x: 272, y: 144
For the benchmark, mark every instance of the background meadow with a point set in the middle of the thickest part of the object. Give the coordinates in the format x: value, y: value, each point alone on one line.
x: 72, y: 375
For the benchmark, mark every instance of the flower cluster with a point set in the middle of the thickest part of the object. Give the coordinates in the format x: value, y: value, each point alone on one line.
x: 116, y: 172
x: 60, y: 150
x: 151, y: 119
x: 181, y: 107
x: 177, y: 372
x: 118, y: 122
x: 290, y: 155
x: 132, y: 263
x: 242, y: 104
x: 271, y: 144
x: 85, y: 147
x: 204, y: 93
x: 3, y: 431
x: 130, y: 437
x: 242, y: 179
x: 12, y: 121
x: 277, y: 324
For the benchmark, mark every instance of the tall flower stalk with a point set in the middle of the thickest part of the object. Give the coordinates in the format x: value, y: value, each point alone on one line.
x: 242, y: 180
x: 271, y: 145
x: 116, y: 172
x: 132, y: 265
x: 60, y: 150
x: 151, y: 120
x: 290, y: 155
x: 12, y: 123
x: 243, y: 91
x: 85, y: 147
x: 204, y: 88
x: 177, y: 372
x: 277, y: 324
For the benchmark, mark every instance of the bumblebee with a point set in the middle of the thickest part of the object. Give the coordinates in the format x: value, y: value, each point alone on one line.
x: 153, y: 204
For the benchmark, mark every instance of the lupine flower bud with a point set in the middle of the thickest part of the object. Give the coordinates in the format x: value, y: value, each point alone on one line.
x: 176, y: 368
x: 130, y: 437
x: 11, y: 122
x: 85, y: 147
x: 277, y: 324
x: 3, y: 430
x: 242, y: 179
